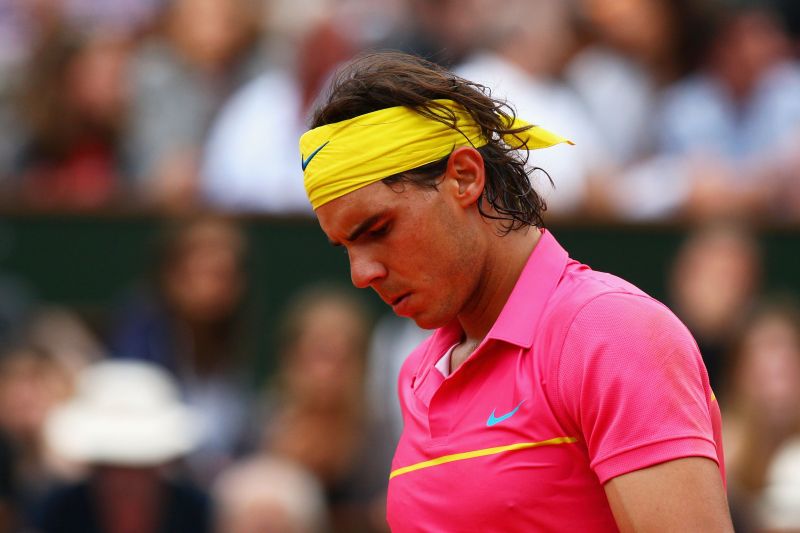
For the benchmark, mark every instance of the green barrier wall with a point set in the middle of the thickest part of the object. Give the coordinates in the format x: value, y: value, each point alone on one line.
x: 85, y: 260
x: 88, y: 262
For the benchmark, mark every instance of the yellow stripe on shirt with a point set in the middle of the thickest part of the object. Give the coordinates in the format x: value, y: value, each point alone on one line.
x: 480, y: 453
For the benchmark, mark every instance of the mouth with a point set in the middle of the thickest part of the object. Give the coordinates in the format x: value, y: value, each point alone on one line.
x: 399, y: 299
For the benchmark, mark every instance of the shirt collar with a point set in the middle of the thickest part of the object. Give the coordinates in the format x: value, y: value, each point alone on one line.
x: 517, y: 322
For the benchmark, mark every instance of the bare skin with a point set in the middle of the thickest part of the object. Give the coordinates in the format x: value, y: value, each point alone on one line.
x: 685, y: 495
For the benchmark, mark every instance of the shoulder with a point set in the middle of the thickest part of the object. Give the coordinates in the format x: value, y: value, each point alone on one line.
x: 607, y: 329
x: 583, y: 291
x: 616, y: 325
x: 616, y: 308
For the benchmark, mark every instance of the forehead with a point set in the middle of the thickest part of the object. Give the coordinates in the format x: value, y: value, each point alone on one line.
x: 341, y: 214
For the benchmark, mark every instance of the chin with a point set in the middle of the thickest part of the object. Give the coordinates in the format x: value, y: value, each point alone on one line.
x: 424, y: 325
x: 428, y: 322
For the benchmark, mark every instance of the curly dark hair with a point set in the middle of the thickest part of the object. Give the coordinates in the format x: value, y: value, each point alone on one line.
x: 387, y: 79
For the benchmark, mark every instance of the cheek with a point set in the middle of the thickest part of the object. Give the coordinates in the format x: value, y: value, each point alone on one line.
x: 427, y: 254
x: 448, y: 264
x: 433, y: 248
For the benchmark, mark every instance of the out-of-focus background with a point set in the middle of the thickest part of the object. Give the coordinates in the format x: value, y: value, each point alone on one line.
x: 179, y: 347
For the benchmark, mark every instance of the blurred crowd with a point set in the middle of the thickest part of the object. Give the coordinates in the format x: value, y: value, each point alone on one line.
x: 155, y: 419
x: 155, y: 422
x: 684, y: 108
x: 680, y: 110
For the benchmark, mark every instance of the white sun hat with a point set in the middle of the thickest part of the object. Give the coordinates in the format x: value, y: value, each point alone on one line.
x: 780, y: 501
x: 126, y: 413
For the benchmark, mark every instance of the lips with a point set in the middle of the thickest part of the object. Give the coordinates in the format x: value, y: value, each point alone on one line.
x: 397, y: 299
x: 398, y: 303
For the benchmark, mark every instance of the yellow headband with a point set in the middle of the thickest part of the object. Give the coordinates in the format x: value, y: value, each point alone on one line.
x: 342, y: 157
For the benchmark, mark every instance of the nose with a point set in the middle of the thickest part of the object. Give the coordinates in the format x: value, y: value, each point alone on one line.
x: 365, y: 270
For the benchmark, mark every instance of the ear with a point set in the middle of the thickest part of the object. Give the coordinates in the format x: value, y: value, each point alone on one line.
x: 466, y: 175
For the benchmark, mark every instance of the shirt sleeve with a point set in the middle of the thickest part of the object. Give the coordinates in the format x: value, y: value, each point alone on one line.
x: 632, y: 379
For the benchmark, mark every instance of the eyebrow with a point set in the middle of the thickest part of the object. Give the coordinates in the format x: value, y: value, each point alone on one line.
x: 361, y: 228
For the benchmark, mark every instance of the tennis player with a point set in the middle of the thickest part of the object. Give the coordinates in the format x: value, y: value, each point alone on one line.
x: 550, y: 397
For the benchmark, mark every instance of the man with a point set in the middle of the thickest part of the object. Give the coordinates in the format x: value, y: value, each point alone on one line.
x: 551, y: 397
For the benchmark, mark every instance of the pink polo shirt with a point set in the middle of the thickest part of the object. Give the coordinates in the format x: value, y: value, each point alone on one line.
x: 583, y: 377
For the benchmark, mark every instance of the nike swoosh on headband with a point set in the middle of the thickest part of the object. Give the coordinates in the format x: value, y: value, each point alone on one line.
x: 308, y: 159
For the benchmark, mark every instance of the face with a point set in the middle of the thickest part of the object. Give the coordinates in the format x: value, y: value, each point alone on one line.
x: 206, y: 283
x: 770, y: 371
x: 716, y: 276
x: 640, y: 27
x: 750, y: 44
x: 29, y: 389
x: 96, y: 79
x: 418, y: 248
x: 211, y: 30
x: 325, y: 365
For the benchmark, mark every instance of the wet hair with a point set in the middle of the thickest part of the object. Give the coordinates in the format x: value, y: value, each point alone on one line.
x: 387, y: 79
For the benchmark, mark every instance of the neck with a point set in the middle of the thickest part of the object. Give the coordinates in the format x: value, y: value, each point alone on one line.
x: 502, y: 268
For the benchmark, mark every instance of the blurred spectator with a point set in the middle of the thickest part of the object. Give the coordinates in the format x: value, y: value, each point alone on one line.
x: 443, y: 31
x: 8, y: 486
x: 17, y: 306
x: 790, y: 11
x: 728, y: 135
x: 529, y: 41
x: 320, y: 51
x: 179, y: 78
x: 22, y: 25
x: 266, y: 494
x: 71, y: 106
x: 124, y: 18
x: 779, y: 504
x: 127, y: 423
x: 10, y: 140
x: 33, y: 44
x: 62, y: 334
x: 31, y: 384
x: 762, y: 407
x: 635, y: 47
x: 192, y: 323
x: 393, y: 339
x: 251, y: 162
x: 23, y: 22
x: 714, y: 280
x: 317, y: 415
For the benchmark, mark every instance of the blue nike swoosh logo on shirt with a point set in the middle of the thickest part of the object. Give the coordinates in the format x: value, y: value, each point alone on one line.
x: 492, y: 420
x: 308, y: 159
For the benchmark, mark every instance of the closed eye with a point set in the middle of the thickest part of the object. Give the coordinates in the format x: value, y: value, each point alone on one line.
x: 379, y: 231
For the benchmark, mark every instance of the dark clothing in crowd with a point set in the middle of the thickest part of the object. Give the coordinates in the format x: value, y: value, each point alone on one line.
x: 72, y: 509
x: 7, y: 485
x: 7, y: 488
